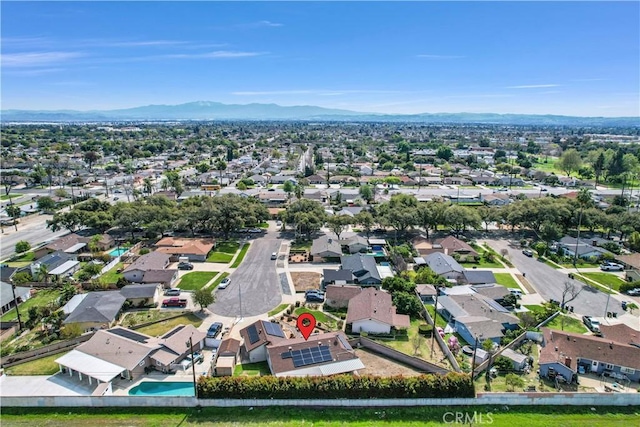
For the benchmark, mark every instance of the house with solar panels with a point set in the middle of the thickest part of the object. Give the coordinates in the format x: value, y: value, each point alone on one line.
x: 477, y: 315
x: 322, y: 354
x: 256, y: 338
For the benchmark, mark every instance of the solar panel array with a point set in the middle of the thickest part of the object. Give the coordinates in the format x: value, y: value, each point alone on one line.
x: 253, y: 334
x: 496, y: 306
x: 172, y: 333
x: 273, y: 329
x: 309, y: 356
x: 125, y: 333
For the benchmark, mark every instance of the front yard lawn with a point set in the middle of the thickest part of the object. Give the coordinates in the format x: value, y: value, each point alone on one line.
x: 301, y: 245
x: 41, y: 299
x: 278, y: 309
x: 25, y: 257
x: 224, y: 252
x: 163, y: 327
x: 241, y: 255
x: 218, y: 280
x: 252, y: 369
x: 196, y: 280
x: 43, y: 366
x: 570, y: 324
x: 112, y: 275
x: 506, y: 280
x: 606, y: 279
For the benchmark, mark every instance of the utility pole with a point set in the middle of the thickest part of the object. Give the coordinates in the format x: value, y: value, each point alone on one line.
x: 473, y: 359
x: 435, y: 316
x: 193, y: 367
x: 13, y: 292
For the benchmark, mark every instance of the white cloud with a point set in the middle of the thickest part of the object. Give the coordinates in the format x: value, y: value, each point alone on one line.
x: 36, y: 59
x: 215, y: 54
x: 532, y: 86
x: 269, y: 24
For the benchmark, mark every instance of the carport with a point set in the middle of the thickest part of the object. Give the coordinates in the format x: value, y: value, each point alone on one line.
x: 90, y: 366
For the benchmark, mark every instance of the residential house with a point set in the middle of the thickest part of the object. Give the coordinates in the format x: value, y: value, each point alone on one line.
x: 127, y: 354
x: 273, y: 198
x: 405, y: 180
x: 194, y: 249
x: 351, y: 211
x: 585, y: 249
x: 318, y: 196
x: 363, y: 268
x: 259, y: 180
x: 322, y: 354
x: 338, y: 296
x: 51, y: 262
x: 632, y: 265
x: 444, y: 265
x: 478, y: 277
x: 227, y: 356
x: 451, y: 245
x: 355, y: 244
x: 326, y: 247
x: 620, y: 333
x: 151, y: 268
x: 509, y: 181
x: 337, y: 277
x: 257, y: 336
x: 564, y: 352
x: 457, y: 180
x: 141, y: 295
x: 496, y: 199
x: 373, y: 312
x: 483, y: 180
x: 316, y: 179
x: 366, y: 170
x: 7, y: 299
x: 98, y: 310
x: 281, y: 179
x: 424, y: 246
x: 477, y: 316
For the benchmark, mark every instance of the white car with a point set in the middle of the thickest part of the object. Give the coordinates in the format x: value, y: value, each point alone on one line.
x: 609, y: 266
x: 224, y: 283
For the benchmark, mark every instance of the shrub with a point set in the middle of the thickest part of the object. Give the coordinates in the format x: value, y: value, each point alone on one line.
x: 22, y: 246
x: 425, y: 329
x: 336, y: 387
x: 144, y: 251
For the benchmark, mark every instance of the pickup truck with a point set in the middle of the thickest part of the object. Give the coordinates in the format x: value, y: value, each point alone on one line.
x: 174, y: 302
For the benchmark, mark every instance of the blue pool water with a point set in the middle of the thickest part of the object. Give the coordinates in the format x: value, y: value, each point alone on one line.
x: 118, y: 252
x: 376, y: 248
x: 153, y: 388
x: 386, y: 264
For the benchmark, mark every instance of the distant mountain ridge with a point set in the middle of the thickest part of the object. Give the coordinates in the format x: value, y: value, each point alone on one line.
x: 205, y: 110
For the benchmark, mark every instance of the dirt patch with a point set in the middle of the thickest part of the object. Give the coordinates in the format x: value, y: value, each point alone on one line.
x: 525, y: 283
x: 304, y: 280
x: 382, y: 367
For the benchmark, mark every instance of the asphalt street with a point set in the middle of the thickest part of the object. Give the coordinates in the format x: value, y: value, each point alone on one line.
x: 254, y: 288
x: 549, y: 283
x: 33, y: 229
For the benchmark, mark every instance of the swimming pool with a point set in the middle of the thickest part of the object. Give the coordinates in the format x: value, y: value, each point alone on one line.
x: 167, y: 388
x: 118, y: 251
x: 385, y: 264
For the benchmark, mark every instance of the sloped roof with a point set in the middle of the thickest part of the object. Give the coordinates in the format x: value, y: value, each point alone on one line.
x: 341, y: 292
x: 479, y: 276
x: 326, y: 245
x: 151, y: 261
x: 337, y: 275
x: 376, y: 305
x: 158, y: 276
x: 98, y: 307
x: 116, y: 349
x: 178, y: 246
x: 441, y: 263
x: 263, y: 337
x: 453, y: 245
x: 139, y: 291
x: 362, y: 266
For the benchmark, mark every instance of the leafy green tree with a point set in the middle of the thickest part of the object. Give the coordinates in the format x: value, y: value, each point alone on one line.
x: 407, y: 303
x: 203, y: 297
x: 91, y: 157
x: 444, y: 153
x: 241, y: 186
x: 307, y: 215
x: 46, y: 204
x: 598, y: 166
x: 202, y: 167
x: 570, y: 161
x: 366, y: 192
x: 503, y: 364
x: 22, y: 246
x: 14, y: 212
x: 513, y: 381
x: 459, y: 218
x: 288, y: 188
x: 365, y: 219
x: 398, y: 284
x: 339, y: 223
x: 220, y: 165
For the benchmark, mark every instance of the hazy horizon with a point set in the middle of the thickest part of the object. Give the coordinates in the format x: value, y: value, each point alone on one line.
x: 380, y: 57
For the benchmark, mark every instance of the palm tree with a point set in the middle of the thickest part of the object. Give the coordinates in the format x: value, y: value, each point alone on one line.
x: 42, y: 273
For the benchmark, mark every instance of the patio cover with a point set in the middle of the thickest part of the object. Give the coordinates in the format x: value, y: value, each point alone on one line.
x: 90, y: 366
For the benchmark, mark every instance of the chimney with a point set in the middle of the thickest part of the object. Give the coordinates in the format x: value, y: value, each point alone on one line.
x: 567, y: 362
x: 611, y: 345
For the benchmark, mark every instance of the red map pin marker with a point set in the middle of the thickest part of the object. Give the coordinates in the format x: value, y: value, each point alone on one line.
x: 306, y: 324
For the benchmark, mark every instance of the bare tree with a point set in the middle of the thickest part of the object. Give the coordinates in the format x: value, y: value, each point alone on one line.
x: 570, y: 291
x: 416, y: 342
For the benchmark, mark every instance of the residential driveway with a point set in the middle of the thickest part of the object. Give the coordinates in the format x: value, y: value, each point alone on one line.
x: 549, y: 283
x: 255, y: 288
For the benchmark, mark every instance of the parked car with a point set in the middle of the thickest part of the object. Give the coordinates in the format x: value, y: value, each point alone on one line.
x: 274, y: 255
x: 314, y: 291
x: 174, y: 292
x: 224, y: 283
x: 610, y: 266
x: 591, y: 323
x: 517, y: 292
x: 312, y: 297
x: 528, y: 252
x: 214, y: 330
x: 174, y: 302
x: 634, y: 292
x: 185, y: 266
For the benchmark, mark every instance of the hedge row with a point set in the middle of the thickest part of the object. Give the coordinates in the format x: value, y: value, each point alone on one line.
x: 336, y: 387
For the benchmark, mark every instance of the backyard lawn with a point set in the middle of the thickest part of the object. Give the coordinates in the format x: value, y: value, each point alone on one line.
x: 43, y: 366
x: 40, y: 299
x: 506, y: 280
x: 440, y: 321
x: 196, y: 280
x: 240, y: 257
x: 112, y: 275
x: 320, y: 317
x: 252, y: 369
x: 160, y: 328
x: 570, y: 324
x: 224, y: 252
x: 605, y: 279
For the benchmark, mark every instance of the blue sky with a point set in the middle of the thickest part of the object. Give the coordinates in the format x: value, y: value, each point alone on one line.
x: 570, y: 58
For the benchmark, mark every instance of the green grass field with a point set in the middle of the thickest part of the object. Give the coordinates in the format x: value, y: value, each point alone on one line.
x: 320, y: 317
x: 439, y: 319
x: 40, y: 299
x: 570, y: 324
x: 506, y: 280
x: 252, y: 369
x: 163, y: 327
x: 428, y: 416
x: 606, y: 279
x: 278, y: 309
x: 112, y: 275
x: 10, y: 196
x: 224, y: 252
x: 43, y: 366
x: 196, y: 280
x: 241, y: 255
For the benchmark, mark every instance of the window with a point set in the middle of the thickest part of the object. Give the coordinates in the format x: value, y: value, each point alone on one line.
x: 608, y: 366
x: 627, y: 370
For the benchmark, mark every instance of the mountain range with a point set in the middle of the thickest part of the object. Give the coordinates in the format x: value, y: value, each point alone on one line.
x: 209, y: 111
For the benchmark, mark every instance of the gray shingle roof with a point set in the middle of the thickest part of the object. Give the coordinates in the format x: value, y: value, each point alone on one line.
x: 139, y: 291
x: 362, y: 266
x: 442, y: 264
x: 97, y: 307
